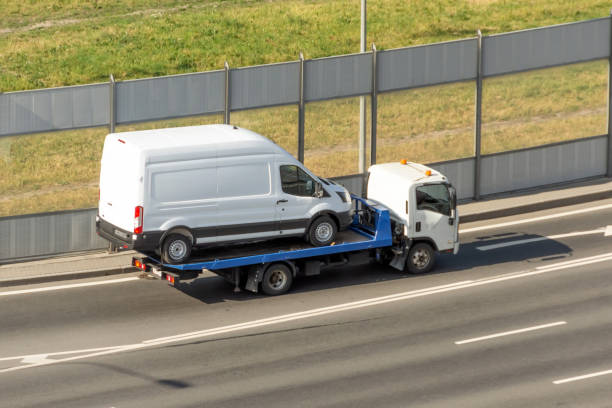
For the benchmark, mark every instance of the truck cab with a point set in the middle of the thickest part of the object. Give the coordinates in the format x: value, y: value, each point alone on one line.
x: 423, y: 210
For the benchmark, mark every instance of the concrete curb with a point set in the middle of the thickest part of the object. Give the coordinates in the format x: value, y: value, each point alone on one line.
x: 543, y: 205
x: 93, y: 273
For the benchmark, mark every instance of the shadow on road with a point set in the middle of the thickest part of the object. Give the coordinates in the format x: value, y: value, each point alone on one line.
x: 471, y: 256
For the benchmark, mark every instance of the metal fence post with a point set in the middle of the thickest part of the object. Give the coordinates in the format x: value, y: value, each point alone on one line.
x: 478, y: 120
x: 301, y: 112
x: 112, y: 111
x: 226, y: 110
x: 374, y: 108
x: 609, y: 172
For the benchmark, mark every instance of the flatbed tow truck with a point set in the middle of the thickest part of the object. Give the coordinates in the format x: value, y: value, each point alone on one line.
x: 273, y: 265
x: 409, y: 215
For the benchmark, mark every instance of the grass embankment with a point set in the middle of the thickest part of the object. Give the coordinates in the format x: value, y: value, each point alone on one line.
x: 59, y: 170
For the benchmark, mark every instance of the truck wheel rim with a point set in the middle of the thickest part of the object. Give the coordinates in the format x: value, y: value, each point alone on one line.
x: 277, y: 279
x: 177, y: 250
x: 323, y: 232
x: 420, y: 259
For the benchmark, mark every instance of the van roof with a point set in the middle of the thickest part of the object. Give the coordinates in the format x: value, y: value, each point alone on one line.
x: 200, y: 141
x: 409, y: 172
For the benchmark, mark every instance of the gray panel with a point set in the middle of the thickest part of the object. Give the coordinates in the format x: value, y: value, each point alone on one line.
x: 172, y: 96
x: 427, y: 65
x: 54, y: 109
x: 48, y: 234
x: 337, y: 77
x: 354, y: 183
x: 544, y: 165
x: 461, y: 175
x: 265, y: 85
x: 545, y: 47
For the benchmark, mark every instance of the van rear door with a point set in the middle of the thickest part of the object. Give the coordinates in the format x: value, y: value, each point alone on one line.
x: 120, y: 182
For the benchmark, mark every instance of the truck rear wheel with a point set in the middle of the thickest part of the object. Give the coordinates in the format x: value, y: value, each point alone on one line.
x: 176, y: 249
x: 421, y: 258
x: 277, y: 279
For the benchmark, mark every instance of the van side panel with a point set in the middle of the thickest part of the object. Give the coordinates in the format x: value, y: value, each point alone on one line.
x: 182, y: 193
x: 247, y: 200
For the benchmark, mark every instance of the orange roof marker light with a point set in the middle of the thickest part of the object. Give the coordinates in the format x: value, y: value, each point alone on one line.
x: 428, y: 172
x: 403, y: 161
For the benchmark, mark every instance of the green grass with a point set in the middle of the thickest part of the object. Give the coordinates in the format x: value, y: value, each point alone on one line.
x: 59, y: 170
x: 106, y: 38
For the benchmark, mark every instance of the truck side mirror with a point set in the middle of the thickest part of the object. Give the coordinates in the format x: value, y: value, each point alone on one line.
x: 318, y: 190
x: 453, y: 197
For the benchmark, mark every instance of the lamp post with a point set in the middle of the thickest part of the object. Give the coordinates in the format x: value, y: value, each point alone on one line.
x: 362, y: 100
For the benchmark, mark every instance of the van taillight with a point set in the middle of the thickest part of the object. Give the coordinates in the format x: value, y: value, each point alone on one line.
x: 138, y: 212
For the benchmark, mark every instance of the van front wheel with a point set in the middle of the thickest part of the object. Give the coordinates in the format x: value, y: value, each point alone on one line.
x: 176, y: 249
x: 322, y: 231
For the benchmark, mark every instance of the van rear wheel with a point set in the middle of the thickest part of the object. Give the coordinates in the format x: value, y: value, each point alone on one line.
x: 322, y: 231
x: 176, y: 249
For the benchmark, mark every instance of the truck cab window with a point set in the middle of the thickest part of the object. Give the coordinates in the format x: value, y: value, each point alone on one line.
x: 296, y: 182
x: 434, y: 197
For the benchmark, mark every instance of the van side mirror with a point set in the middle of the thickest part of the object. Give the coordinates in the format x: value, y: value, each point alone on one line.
x: 318, y: 190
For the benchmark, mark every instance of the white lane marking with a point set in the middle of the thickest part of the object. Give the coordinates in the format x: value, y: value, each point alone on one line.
x: 529, y: 240
x: 60, y: 353
x: 582, y: 377
x: 542, y: 218
x: 317, y: 312
x: 560, y: 265
x: 608, y: 231
x: 508, y: 333
x: 39, y: 358
x: 74, y: 285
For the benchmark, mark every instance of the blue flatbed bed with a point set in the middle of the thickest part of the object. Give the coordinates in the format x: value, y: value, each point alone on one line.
x: 371, y: 229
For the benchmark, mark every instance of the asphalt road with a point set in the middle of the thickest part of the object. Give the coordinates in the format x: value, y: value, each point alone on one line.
x: 522, y: 317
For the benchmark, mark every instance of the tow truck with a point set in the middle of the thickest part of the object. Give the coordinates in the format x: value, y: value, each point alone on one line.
x: 410, y: 213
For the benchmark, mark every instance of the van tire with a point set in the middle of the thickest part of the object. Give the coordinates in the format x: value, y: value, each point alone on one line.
x: 277, y: 279
x: 176, y: 249
x: 322, y: 231
x: 421, y: 258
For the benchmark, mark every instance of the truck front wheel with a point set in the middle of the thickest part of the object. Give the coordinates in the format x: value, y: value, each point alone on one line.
x: 176, y: 249
x: 421, y: 258
x: 277, y: 279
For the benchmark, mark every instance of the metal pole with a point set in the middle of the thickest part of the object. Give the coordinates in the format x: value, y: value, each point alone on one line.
x: 478, y: 124
x: 301, y: 112
x: 226, y: 110
x: 609, y: 173
x: 112, y: 120
x: 362, y: 100
x: 374, y: 108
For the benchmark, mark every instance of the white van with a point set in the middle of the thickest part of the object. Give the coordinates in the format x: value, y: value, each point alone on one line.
x: 168, y: 190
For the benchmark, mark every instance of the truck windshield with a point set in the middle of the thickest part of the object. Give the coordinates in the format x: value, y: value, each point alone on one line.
x: 434, y: 197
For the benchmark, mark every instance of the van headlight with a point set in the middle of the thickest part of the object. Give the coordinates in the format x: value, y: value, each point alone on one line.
x: 345, y: 196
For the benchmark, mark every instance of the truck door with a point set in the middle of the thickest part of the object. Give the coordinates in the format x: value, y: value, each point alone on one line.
x: 435, y: 215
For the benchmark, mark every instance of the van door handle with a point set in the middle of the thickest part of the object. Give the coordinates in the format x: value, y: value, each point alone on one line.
x: 282, y: 201
x: 418, y: 226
